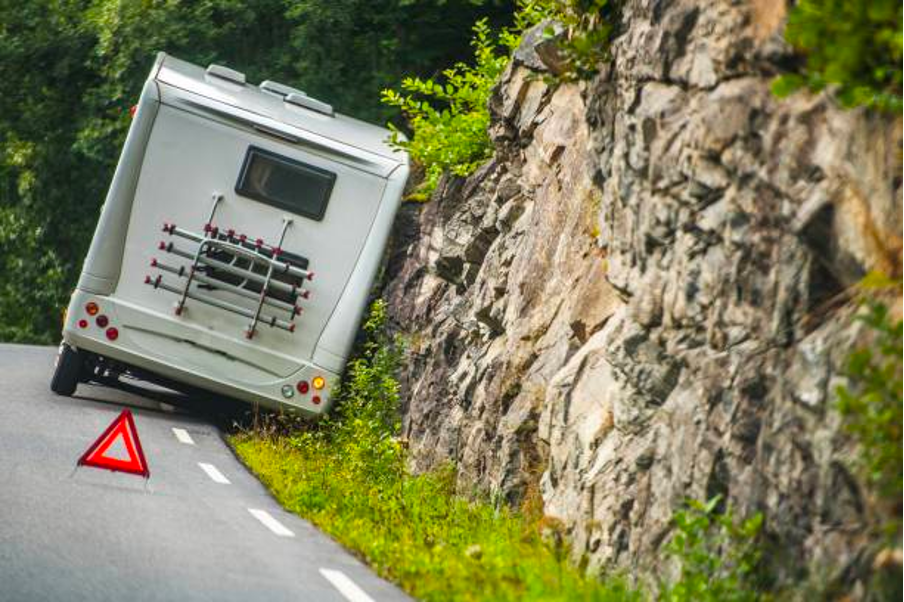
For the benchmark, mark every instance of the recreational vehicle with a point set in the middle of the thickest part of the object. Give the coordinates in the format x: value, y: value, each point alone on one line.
x: 237, y: 244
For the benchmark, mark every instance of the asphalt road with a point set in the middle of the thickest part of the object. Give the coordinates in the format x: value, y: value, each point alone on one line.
x: 70, y: 533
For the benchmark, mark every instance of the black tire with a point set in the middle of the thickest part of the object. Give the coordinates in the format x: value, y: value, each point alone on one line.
x: 68, y: 370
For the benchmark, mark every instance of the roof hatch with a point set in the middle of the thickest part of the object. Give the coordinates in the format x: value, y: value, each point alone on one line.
x: 301, y: 100
x: 226, y: 73
x: 278, y: 88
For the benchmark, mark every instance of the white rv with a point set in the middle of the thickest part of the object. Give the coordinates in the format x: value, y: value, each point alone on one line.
x: 237, y: 245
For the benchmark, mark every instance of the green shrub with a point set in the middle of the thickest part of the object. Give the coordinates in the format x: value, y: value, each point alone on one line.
x: 449, y: 119
x: 853, y: 45
x: 449, y: 116
x: 872, y: 405
x: 719, y: 556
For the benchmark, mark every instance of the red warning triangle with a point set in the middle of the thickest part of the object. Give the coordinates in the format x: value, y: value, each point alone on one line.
x: 123, y: 427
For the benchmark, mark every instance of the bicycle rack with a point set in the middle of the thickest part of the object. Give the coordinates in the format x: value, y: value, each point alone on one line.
x: 261, y: 288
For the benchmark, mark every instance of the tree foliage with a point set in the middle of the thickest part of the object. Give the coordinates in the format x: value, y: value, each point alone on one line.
x: 72, y: 68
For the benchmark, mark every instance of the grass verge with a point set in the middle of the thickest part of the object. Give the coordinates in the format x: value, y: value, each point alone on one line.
x: 418, y: 534
x: 347, y: 475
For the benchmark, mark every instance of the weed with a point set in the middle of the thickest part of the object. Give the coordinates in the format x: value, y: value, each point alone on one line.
x: 587, y: 27
x: 872, y: 406
x: 719, y: 555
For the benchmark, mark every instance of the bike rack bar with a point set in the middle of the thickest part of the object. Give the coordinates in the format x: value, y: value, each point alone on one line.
x: 225, y: 253
x: 263, y: 296
x: 181, y: 272
x: 271, y: 321
x: 281, y: 267
x: 241, y: 273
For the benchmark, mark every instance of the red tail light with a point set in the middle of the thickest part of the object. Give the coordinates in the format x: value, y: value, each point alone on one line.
x: 302, y: 386
x: 316, y: 399
x: 102, y: 321
x: 83, y: 323
x: 112, y: 333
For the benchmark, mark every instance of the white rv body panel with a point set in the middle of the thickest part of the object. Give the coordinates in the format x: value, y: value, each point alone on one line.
x: 189, y: 142
x: 215, y: 152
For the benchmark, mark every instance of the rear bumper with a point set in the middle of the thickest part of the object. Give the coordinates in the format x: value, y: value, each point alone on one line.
x: 204, y: 367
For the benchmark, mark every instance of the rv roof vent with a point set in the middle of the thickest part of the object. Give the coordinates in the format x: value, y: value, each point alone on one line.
x: 309, y: 103
x: 226, y: 73
x: 278, y: 88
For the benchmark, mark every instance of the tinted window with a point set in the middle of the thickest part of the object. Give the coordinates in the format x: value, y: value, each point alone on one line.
x: 285, y: 183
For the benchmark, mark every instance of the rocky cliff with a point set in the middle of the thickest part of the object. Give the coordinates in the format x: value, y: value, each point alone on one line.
x: 642, y: 297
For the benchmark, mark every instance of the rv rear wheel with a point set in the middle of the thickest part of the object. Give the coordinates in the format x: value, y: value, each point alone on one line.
x: 68, y: 369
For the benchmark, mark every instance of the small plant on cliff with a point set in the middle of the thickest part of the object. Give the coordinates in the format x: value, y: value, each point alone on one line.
x: 587, y: 27
x: 851, y: 45
x: 719, y: 555
x: 872, y: 406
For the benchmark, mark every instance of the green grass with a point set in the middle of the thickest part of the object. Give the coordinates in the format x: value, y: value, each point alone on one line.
x: 416, y: 532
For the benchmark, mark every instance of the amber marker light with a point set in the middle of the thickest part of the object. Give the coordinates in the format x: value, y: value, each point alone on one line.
x: 92, y: 308
x: 318, y: 382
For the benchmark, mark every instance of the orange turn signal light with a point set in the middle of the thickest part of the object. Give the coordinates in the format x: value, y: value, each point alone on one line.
x: 92, y: 308
x: 318, y: 382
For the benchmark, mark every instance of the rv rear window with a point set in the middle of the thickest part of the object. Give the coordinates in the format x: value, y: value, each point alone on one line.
x: 285, y: 183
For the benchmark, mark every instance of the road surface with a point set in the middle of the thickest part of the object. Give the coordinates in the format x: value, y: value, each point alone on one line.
x: 201, y: 528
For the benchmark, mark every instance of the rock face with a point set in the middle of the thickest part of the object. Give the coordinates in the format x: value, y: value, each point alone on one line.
x: 642, y: 297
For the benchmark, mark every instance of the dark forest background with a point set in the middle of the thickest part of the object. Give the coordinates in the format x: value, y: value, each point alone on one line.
x: 70, y: 70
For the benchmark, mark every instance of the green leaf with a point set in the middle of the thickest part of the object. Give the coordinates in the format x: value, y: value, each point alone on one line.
x: 785, y: 85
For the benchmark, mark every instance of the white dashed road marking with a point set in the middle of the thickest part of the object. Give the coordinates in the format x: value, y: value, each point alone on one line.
x: 346, y: 586
x: 183, y: 436
x: 270, y: 522
x: 213, y: 473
